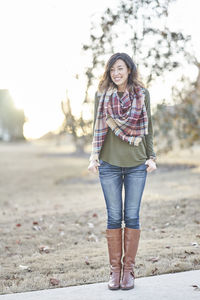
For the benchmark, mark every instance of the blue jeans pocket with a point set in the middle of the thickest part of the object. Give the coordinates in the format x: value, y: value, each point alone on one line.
x: 101, y: 162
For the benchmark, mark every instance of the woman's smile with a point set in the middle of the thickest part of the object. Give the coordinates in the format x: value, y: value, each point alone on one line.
x: 119, y: 73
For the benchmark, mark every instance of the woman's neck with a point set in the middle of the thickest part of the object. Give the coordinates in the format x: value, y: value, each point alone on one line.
x: 121, y: 88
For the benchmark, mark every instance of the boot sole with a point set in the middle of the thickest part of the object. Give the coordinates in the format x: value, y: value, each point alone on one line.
x: 129, y: 288
x: 113, y: 289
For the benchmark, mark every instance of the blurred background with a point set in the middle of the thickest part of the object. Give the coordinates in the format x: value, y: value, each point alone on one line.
x: 52, y: 56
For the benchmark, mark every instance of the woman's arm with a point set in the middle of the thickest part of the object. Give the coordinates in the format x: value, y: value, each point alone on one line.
x: 96, y: 103
x: 149, y: 138
x: 94, y: 164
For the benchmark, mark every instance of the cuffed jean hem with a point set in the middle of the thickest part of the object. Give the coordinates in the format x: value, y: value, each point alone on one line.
x: 132, y: 223
x: 114, y: 226
x: 133, y: 226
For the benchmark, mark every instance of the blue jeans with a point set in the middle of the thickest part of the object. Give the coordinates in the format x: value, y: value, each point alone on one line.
x: 112, y: 179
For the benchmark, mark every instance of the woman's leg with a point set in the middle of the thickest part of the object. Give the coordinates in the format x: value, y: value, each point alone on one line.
x: 134, y: 182
x: 111, y: 182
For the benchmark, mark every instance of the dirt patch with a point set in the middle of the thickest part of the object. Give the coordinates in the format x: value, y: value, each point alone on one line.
x: 166, y: 167
x: 78, y: 180
x: 53, y: 221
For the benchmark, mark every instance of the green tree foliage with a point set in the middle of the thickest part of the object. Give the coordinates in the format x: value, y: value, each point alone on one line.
x: 11, y: 119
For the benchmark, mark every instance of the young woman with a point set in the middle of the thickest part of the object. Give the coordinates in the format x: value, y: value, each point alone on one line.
x: 122, y: 153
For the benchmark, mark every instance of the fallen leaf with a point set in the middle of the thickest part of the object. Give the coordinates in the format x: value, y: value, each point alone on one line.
x: 93, y: 238
x: 195, y: 244
x: 196, y: 261
x: 23, y: 267
x: 54, y: 281
x: 197, y: 221
x: 95, y: 215
x: 18, y: 225
x: 35, y: 223
x: 189, y: 252
x: 91, y: 225
x: 86, y: 260
x: 153, y: 259
x: 37, y: 228
x: 196, y: 287
x: 154, y: 271
x: 44, y: 249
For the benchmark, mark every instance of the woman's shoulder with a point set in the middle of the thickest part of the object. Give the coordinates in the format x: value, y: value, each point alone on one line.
x: 98, y: 95
x: 147, y: 94
x: 145, y: 91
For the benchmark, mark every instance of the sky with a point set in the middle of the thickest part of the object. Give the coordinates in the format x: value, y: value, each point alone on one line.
x: 41, y: 54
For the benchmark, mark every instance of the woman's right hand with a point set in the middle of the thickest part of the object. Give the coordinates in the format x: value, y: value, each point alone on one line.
x: 93, y: 166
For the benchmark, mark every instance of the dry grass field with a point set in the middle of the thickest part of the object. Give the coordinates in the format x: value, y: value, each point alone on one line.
x: 53, y: 218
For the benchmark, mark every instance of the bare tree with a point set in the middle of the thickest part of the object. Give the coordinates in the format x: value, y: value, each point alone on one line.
x: 78, y: 127
x: 138, y: 27
x: 11, y: 119
x: 179, y: 124
x: 187, y: 112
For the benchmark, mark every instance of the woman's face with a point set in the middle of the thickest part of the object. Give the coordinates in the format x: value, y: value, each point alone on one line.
x: 119, y: 73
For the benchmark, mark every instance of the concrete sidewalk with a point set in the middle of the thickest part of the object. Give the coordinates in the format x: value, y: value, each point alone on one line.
x: 176, y: 286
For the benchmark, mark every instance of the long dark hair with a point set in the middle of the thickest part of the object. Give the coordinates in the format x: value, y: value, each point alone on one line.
x: 133, y: 77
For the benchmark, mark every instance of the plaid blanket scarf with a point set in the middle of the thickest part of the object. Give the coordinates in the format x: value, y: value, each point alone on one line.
x: 127, y: 117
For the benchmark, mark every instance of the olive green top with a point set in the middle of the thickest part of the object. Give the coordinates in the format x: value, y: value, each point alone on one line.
x: 118, y: 152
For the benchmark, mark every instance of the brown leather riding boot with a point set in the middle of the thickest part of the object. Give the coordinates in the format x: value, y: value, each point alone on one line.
x: 131, y: 241
x: 114, y: 241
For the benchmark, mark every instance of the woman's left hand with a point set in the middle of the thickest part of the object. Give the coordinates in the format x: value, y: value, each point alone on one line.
x: 151, y: 165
